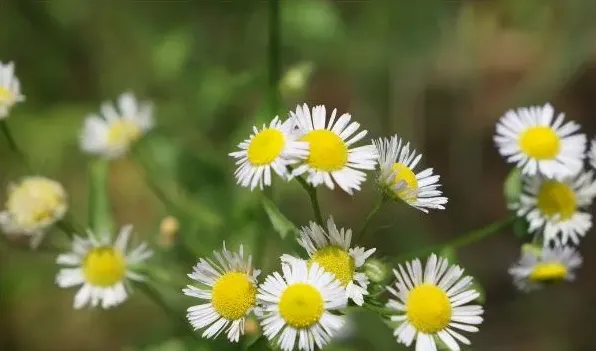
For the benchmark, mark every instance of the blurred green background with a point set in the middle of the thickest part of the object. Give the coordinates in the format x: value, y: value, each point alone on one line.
x: 440, y: 73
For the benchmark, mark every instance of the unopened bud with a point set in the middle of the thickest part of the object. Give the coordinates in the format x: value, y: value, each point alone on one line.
x: 376, y: 270
x: 296, y: 79
x: 535, y: 250
x: 251, y: 326
x: 168, y: 229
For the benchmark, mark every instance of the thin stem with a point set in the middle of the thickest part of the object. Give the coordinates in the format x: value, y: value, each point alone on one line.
x: 12, y: 143
x: 312, y: 194
x: 373, y: 212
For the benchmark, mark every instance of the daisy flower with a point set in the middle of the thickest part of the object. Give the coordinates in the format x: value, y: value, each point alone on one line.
x: 540, y: 266
x: 274, y: 147
x: 33, y: 205
x: 592, y: 153
x: 558, y: 208
x: 538, y: 145
x: 331, y: 250
x: 229, y: 287
x: 10, y: 89
x: 330, y: 159
x: 297, y: 309
x: 430, y: 304
x: 398, y: 179
x: 102, y: 268
x: 112, y: 134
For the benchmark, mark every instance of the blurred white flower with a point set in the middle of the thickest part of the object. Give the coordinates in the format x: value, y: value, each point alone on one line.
x: 10, y: 89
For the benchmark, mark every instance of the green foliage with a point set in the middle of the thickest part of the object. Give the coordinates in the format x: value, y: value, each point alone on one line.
x: 280, y: 223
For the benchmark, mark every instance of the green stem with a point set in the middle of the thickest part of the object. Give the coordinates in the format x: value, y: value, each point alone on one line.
x: 384, y: 312
x: 99, y: 217
x: 463, y: 240
x: 11, y: 140
x: 373, y: 212
x: 312, y: 194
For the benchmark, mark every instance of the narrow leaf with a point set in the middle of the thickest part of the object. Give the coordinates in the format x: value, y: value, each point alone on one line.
x: 279, y: 222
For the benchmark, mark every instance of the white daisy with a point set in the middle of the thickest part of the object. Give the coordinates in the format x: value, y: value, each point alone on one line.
x: 399, y: 181
x: 538, y: 145
x: 430, y: 304
x: 331, y: 250
x: 297, y: 309
x: 274, y: 147
x: 592, y: 153
x: 558, y: 208
x: 539, y: 266
x: 112, y: 134
x: 10, y: 89
x: 102, y: 268
x: 33, y: 205
x: 230, y: 287
x: 330, y: 157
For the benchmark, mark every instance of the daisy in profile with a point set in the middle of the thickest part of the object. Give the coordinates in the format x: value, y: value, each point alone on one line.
x: 33, y: 205
x: 538, y: 144
x: 432, y: 302
x: 10, y: 89
x: 297, y: 309
x: 558, y: 208
x: 102, y: 269
x: 113, y: 133
x: 539, y: 266
x: 398, y: 179
x: 592, y: 153
x: 332, y: 159
x: 272, y: 148
x: 331, y: 250
x: 229, y: 289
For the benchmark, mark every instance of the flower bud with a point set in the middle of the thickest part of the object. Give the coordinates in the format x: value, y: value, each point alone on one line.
x: 376, y: 270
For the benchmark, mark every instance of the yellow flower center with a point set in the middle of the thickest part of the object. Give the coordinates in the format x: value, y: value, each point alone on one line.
x: 403, y: 173
x: 104, y: 266
x: 265, y: 147
x: 337, y: 261
x: 428, y: 308
x: 36, y: 201
x: 6, y: 96
x: 123, y: 132
x: 233, y: 295
x: 556, y: 198
x: 328, y: 152
x: 548, y: 272
x: 541, y: 143
x: 301, y: 305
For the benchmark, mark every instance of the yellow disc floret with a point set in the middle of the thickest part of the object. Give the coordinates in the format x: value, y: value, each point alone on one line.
x: 403, y: 173
x: 265, y: 147
x: 6, y: 96
x: 233, y: 295
x: 548, y: 272
x: 104, y: 266
x: 328, y: 152
x: 122, y: 132
x: 301, y: 305
x: 541, y: 143
x: 556, y: 198
x: 428, y: 308
x: 337, y: 261
x: 35, y: 203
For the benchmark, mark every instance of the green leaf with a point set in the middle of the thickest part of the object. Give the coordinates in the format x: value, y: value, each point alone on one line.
x: 512, y: 187
x: 279, y: 222
x: 520, y: 228
x: 99, y: 217
x: 449, y: 253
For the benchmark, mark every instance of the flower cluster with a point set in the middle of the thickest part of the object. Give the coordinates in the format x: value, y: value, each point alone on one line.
x: 557, y: 189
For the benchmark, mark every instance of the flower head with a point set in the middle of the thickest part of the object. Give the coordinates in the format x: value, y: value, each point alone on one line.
x: 539, y: 266
x: 112, y: 134
x: 558, y: 208
x: 331, y: 160
x: 398, y: 179
x: 430, y: 304
x: 271, y: 148
x: 229, y: 287
x: 297, y: 309
x: 10, y: 89
x: 102, y: 268
x: 538, y: 145
x: 331, y: 250
x: 33, y: 205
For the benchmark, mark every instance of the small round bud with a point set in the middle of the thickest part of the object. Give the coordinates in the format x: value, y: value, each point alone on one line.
x: 168, y: 229
x: 376, y: 270
x: 251, y: 326
x: 295, y: 80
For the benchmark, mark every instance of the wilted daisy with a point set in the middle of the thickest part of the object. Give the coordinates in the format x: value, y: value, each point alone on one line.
x: 102, y: 268
x: 111, y: 134
x: 10, y: 89
x: 430, y: 304
x: 271, y: 148
x: 538, y: 145
x: 229, y: 287
x: 331, y: 250
x: 300, y: 306
x: 398, y: 179
x: 330, y: 157
x: 538, y: 266
x: 558, y: 208
x: 33, y: 205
